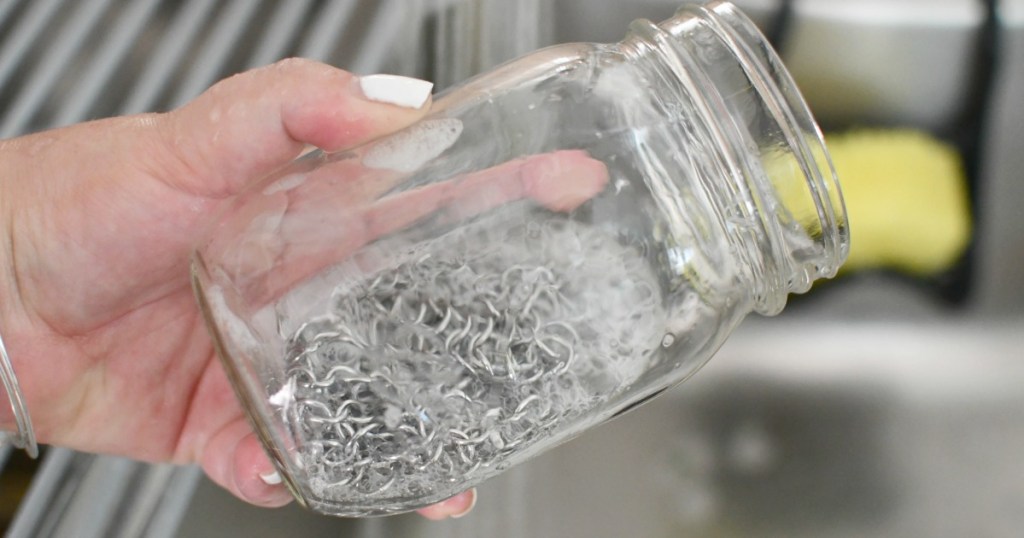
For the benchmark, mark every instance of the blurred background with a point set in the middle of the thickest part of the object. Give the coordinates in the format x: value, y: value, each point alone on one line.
x: 888, y: 402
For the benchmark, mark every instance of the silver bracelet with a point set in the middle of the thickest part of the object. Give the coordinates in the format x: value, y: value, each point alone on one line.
x: 25, y: 436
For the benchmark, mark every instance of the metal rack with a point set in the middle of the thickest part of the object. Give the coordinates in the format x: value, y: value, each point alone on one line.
x: 66, y: 61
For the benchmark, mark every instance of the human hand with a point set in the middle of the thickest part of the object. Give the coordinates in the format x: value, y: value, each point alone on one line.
x: 98, y: 223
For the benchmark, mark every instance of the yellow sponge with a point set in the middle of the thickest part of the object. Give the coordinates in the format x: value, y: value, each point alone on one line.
x: 906, y: 200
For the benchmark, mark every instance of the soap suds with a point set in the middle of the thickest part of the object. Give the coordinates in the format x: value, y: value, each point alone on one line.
x: 410, y: 149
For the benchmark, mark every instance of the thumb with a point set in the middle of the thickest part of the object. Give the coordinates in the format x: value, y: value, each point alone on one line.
x: 248, y: 125
x: 234, y: 459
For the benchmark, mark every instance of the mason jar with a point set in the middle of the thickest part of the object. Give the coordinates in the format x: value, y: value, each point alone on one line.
x: 559, y: 240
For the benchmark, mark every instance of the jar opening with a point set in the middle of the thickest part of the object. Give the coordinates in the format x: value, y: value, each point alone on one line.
x: 781, y: 202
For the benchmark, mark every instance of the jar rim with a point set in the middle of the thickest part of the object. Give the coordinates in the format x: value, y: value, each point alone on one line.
x: 781, y: 91
x: 770, y: 251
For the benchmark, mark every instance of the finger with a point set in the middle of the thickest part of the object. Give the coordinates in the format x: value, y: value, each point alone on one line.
x: 255, y: 477
x: 560, y: 181
x: 234, y: 460
x: 317, y: 233
x: 248, y: 125
x: 454, y: 507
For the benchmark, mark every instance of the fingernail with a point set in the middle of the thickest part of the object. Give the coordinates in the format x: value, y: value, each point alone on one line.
x: 273, y: 497
x: 396, y: 90
x: 469, y: 507
x: 271, y: 478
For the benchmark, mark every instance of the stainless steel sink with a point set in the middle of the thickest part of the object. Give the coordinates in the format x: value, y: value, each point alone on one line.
x: 872, y: 407
x: 816, y: 429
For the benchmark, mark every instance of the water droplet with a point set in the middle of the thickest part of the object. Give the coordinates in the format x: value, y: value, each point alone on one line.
x: 668, y: 340
x: 37, y: 144
x: 392, y: 416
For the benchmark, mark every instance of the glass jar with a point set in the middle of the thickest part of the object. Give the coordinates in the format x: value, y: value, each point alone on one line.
x: 559, y: 240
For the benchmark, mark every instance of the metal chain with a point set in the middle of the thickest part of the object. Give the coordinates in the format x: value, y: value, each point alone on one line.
x: 437, y: 367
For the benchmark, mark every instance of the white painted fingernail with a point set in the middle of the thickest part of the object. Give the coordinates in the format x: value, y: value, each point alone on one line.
x: 271, y: 478
x: 396, y: 90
